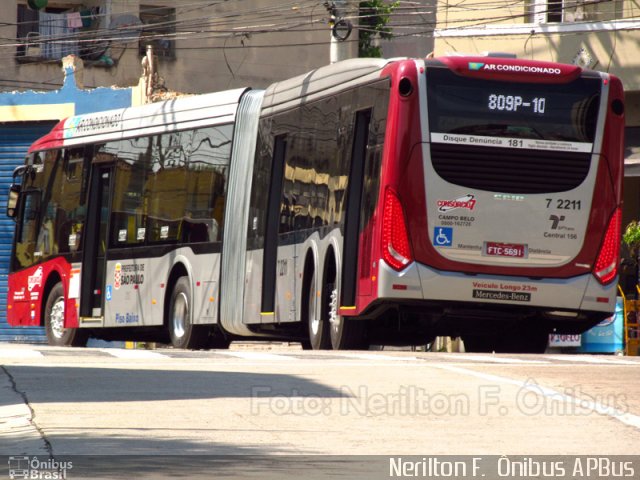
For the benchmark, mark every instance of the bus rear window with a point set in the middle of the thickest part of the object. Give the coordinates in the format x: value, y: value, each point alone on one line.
x: 467, y: 107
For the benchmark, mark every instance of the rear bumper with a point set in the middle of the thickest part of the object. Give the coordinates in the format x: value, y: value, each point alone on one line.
x: 564, y: 295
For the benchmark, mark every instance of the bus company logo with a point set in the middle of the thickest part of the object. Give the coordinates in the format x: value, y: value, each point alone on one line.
x: 117, y: 276
x: 467, y: 202
x: 555, y: 221
x: 475, y: 66
x: 24, y: 467
x: 35, y: 280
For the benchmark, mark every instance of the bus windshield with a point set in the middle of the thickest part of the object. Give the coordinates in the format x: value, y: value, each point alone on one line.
x: 460, y: 106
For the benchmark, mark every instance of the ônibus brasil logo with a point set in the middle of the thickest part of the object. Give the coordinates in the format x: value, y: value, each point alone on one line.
x: 33, y: 468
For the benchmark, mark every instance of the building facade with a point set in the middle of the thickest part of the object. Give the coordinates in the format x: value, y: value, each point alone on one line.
x: 201, y: 46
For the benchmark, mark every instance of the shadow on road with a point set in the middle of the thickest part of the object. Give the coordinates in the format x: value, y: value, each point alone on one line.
x: 77, y: 384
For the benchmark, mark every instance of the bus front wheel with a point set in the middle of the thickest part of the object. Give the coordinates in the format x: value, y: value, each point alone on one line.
x: 57, y: 334
x: 182, y: 332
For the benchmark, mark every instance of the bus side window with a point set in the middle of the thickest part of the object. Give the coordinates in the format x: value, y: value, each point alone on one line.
x: 25, y: 246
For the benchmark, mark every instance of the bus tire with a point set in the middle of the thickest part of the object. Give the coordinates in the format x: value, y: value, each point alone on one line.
x: 346, y: 333
x: 182, y: 332
x: 57, y: 335
x: 318, y: 328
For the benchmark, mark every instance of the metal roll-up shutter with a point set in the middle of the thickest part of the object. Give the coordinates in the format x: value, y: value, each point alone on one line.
x: 15, y: 139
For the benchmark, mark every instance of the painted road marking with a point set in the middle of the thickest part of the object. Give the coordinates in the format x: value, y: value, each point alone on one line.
x: 256, y: 355
x: 379, y: 356
x: 133, y: 354
x: 593, y: 360
x: 492, y: 359
x: 550, y: 394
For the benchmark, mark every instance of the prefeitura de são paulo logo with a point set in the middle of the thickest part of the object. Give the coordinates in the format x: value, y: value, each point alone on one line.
x: 117, y: 276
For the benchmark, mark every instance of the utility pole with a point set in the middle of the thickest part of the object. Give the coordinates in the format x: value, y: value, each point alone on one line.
x: 340, y: 30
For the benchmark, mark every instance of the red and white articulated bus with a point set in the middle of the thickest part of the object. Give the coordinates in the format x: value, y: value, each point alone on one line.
x: 367, y: 202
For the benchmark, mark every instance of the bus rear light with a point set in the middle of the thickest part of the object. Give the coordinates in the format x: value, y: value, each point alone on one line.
x: 606, y: 267
x: 396, y: 250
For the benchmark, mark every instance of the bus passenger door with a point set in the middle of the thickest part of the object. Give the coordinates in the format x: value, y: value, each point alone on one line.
x: 270, y: 259
x: 96, y: 238
x: 352, y: 228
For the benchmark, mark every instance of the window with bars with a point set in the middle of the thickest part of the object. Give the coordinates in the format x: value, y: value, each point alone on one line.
x: 158, y: 30
x: 47, y: 34
x: 569, y: 11
x: 544, y: 11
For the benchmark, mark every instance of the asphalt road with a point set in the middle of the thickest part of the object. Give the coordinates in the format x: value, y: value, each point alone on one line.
x: 279, y: 400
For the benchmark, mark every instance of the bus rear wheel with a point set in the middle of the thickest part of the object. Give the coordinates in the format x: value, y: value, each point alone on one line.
x: 346, y: 333
x: 57, y: 334
x: 182, y: 332
x: 318, y: 328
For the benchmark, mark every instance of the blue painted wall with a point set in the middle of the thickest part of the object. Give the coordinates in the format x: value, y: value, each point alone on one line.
x: 84, y: 101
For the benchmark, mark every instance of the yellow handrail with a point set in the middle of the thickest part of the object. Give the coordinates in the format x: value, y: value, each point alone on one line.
x: 631, y: 307
x: 624, y: 313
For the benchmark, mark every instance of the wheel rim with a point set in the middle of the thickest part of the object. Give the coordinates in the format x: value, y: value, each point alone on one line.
x: 179, y: 317
x: 314, y: 322
x: 56, y: 318
x: 334, y: 318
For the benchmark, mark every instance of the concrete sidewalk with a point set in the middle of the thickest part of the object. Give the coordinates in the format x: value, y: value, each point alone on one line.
x: 18, y: 432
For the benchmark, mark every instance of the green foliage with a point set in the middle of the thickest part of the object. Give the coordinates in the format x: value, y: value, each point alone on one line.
x: 374, y: 19
x: 631, y: 237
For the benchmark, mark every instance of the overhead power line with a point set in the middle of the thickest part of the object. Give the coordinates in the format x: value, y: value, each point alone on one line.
x: 246, y: 26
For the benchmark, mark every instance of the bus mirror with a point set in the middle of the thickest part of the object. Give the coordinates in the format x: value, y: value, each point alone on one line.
x: 12, y: 201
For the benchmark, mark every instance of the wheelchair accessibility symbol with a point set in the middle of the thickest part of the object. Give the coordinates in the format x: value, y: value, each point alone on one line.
x: 443, y: 236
